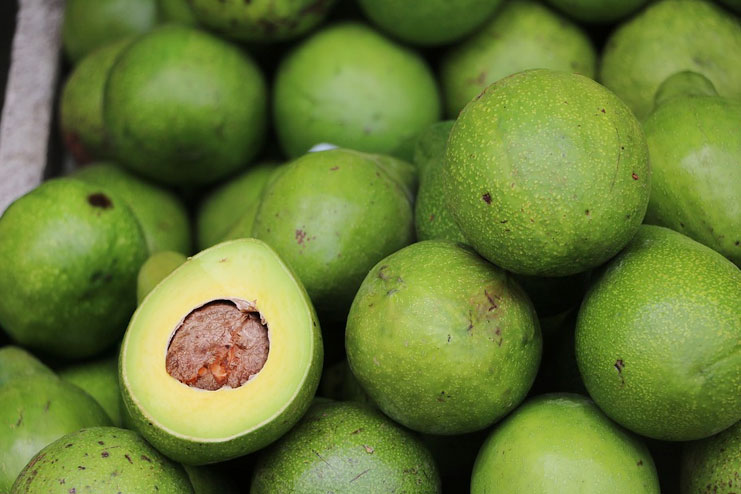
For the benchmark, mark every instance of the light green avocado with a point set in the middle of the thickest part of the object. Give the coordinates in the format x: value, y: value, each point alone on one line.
x: 177, y: 11
x: 156, y: 269
x: 35, y: 411
x: 69, y: 256
x: 668, y: 37
x: 235, y: 393
x: 17, y: 363
x: 432, y: 22
x: 658, y: 338
x: 713, y: 464
x: 695, y: 149
x: 348, y: 85
x: 99, y: 379
x: 547, y: 173
x: 562, y: 443
x: 598, y: 11
x: 161, y: 214
x: 100, y: 460
x: 522, y: 35
x: 460, y: 331
x: 348, y: 448
x: 404, y: 172
x: 184, y: 107
x: 331, y: 216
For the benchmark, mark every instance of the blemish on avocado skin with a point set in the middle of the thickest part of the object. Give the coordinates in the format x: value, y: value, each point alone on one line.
x: 100, y: 200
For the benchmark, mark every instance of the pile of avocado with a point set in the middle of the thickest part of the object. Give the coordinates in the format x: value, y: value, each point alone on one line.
x: 374, y: 246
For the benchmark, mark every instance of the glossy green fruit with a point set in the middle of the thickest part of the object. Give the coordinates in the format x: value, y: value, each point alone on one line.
x: 598, y: 11
x: 99, y: 379
x: 156, y: 269
x: 17, y: 363
x: 713, y: 464
x: 658, y: 339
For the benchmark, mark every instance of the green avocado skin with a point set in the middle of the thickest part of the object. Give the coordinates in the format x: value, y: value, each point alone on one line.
x: 598, y: 11
x: 346, y: 447
x: 658, y: 338
x: 177, y: 11
x: 156, y: 269
x: 17, y: 363
x: 668, y: 37
x: 562, y: 443
x: 35, y: 411
x: 522, y: 35
x: 161, y: 214
x: 101, y: 460
x: 69, y: 256
x: 430, y: 145
x: 183, y: 107
x: 713, y: 464
x: 99, y: 379
x: 695, y: 149
x: 547, y: 173
x: 460, y: 331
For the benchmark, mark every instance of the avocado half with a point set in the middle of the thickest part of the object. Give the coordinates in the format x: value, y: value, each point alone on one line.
x: 251, y: 380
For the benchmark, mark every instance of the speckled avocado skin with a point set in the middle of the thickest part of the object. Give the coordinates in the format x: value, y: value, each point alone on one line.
x: 460, y: 331
x: 562, y: 443
x: 713, y: 465
x: 547, y: 173
x: 101, y: 460
x: 598, y: 11
x: 658, y: 338
x: 346, y: 447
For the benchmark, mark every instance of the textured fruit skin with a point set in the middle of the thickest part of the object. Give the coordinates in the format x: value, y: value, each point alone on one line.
x: 695, y: 150
x: 713, y: 464
x: 17, y: 363
x: 658, y: 338
x: 547, y: 173
x: 99, y: 379
x: 522, y: 35
x: 441, y: 340
x: 331, y: 216
x: 184, y: 107
x: 101, y: 460
x: 161, y: 214
x: 668, y: 37
x: 92, y: 24
x: 433, y: 22
x: 598, y: 11
x: 349, y: 86
x: 81, y: 104
x: 562, y: 443
x: 346, y: 447
x: 69, y: 255
x: 156, y: 269
x: 35, y: 411
x: 221, y: 425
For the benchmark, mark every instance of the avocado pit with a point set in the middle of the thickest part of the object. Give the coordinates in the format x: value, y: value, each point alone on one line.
x: 223, y: 343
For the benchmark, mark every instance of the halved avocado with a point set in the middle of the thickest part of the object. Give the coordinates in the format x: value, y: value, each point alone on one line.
x: 250, y: 383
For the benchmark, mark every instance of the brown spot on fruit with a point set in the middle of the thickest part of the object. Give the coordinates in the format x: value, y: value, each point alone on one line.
x: 300, y: 236
x: 487, y: 198
x: 100, y: 200
x: 634, y: 175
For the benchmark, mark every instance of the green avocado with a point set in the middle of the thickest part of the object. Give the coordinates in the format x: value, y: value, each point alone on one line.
x: 348, y: 448
x: 156, y: 269
x: 348, y: 85
x: 429, y: 146
x: 35, y: 411
x: 101, y: 460
x: 658, y: 338
x: 695, y: 149
x: 668, y: 37
x: 222, y: 357
x: 522, y: 35
x: 562, y: 443
x: 17, y: 363
x: 184, y: 107
x: 331, y: 216
x: 713, y: 464
x: 547, y: 173
x: 598, y: 11
x: 176, y: 11
x: 99, y: 379
x: 432, y: 22
x: 161, y: 214
x: 460, y: 331
x: 69, y: 256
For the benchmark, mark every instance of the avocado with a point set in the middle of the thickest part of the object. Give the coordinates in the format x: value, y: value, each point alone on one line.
x: 350, y: 86
x: 81, y: 104
x: 156, y: 269
x: 254, y: 372
x: 348, y: 448
x: 176, y: 11
x: 17, y: 363
x: 92, y: 24
x: 433, y: 22
x: 69, y: 256
x: 657, y: 338
x: 695, y: 150
x: 522, y: 35
x: 547, y: 173
x: 562, y: 443
x: 183, y: 107
x: 101, y: 460
x: 99, y: 379
x: 161, y: 214
x: 332, y: 215
x: 668, y: 37
x: 598, y: 11
x: 441, y: 340
x: 404, y: 172
x: 35, y: 411
x: 713, y: 464
x: 429, y: 146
